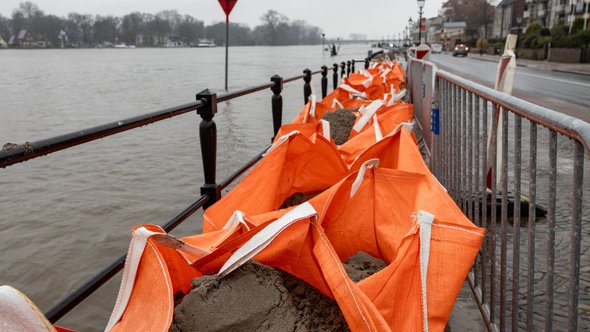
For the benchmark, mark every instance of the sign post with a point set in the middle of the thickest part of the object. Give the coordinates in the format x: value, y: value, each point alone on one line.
x: 227, y: 6
x: 504, y: 83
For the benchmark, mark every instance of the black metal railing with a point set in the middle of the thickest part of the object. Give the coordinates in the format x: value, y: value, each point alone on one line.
x: 206, y: 107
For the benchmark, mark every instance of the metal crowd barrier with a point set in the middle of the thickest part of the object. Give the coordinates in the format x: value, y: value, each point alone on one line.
x: 537, y: 281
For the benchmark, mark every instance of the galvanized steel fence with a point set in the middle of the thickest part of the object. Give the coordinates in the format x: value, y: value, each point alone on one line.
x: 528, y: 178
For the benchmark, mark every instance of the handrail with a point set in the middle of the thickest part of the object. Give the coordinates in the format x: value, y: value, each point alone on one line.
x: 298, y: 77
x: 79, y: 295
x: 241, y: 171
x: 27, y: 151
x: 23, y: 152
x: 559, y: 122
x: 64, y: 306
x: 246, y: 91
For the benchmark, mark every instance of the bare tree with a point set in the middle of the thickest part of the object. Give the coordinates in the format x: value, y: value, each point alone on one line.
x: 4, y: 28
x: 30, y: 11
x: 131, y: 25
x: 475, y: 13
x: 272, y: 21
x: 106, y: 28
x: 191, y: 29
x: 173, y: 18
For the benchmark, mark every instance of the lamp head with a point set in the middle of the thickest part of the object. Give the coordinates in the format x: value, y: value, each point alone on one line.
x: 421, y: 3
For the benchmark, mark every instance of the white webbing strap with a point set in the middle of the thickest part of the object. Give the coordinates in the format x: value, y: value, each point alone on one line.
x: 378, y: 133
x: 336, y: 102
x: 281, y: 140
x: 312, y: 99
x: 425, y: 220
x: 396, y: 96
x: 434, y: 71
x: 370, y: 110
x: 369, y: 77
x: 387, y: 60
x: 263, y: 238
x: 19, y: 313
x: 408, y: 125
x: 362, y: 110
x: 361, y: 174
x: 326, y: 129
x: 352, y: 90
x: 236, y: 218
x: 384, y: 74
x: 136, y: 249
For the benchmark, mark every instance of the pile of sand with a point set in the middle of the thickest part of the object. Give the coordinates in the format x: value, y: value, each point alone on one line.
x: 296, y: 199
x: 341, y: 123
x: 362, y: 265
x: 256, y: 297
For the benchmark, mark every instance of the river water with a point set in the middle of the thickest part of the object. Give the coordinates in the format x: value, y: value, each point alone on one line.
x: 66, y: 216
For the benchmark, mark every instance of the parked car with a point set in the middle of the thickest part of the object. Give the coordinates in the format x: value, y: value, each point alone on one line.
x: 460, y: 49
x: 436, y: 48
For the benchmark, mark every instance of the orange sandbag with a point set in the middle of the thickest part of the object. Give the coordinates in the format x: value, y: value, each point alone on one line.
x: 373, y: 131
x: 308, y: 165
x: 313, y: 111
x: 294, y: 164
x: 406, y: 219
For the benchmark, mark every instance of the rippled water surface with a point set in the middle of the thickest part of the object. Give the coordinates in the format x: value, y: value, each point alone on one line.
x: 66, y: 216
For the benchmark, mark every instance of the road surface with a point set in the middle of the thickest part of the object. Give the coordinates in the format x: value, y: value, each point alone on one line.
x: 564, y: 92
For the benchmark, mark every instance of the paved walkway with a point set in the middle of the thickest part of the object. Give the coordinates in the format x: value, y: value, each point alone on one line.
x: 573, y: 68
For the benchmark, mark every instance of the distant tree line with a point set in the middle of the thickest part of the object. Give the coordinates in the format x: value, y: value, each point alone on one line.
x: 87, y: 30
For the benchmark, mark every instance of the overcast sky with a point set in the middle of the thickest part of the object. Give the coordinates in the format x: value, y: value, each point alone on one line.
x: 337, y: 18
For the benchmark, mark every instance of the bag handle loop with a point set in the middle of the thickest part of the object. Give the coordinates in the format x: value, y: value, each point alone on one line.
x: 263, y: 238
x: 361, y: 174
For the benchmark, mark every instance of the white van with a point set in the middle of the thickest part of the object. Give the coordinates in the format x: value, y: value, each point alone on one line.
x: 436, y: 48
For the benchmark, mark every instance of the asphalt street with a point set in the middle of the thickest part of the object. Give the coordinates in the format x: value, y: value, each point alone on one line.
x: 564, y: 92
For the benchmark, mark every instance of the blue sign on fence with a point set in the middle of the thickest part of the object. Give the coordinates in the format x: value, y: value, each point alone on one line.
x: 435, y: 121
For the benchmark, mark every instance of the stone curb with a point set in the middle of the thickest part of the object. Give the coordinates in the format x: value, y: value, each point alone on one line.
x: 533, y: 66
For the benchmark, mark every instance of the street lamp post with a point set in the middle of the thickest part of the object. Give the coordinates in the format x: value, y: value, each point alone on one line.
x: 410, y: 31
x: 323, y: 44
x: 420, y: 5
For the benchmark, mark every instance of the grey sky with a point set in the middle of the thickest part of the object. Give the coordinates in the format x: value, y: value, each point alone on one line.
x: 338, y: 18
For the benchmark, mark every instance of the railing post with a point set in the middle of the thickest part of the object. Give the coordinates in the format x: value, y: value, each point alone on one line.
x: 335, y: 75
x: 208, y: 136
x: 277, y: 104
x: 352, y: 70
x: 324, y: 81
x: 342, y: 69
x: 367, y: 62
x: 348, y: 68
x: 306, y: 86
